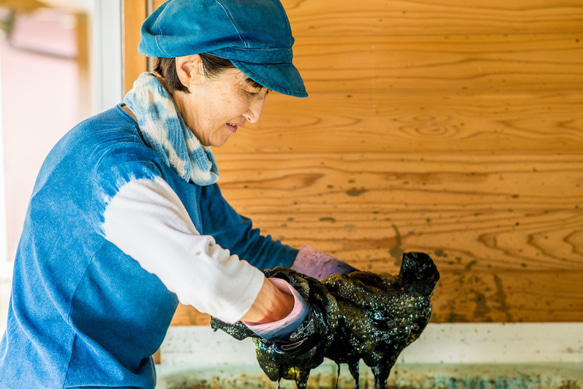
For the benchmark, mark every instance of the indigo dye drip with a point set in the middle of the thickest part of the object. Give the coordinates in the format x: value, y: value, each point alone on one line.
x: 360, y: 315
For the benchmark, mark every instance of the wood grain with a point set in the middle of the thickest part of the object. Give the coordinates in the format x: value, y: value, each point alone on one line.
x: 459, y: 64
x: 407, y: 122
x: 495, y: 211
x: 335, y: 18
x: 134, y: 13
x: 510, y: 296
x: 83, y: 37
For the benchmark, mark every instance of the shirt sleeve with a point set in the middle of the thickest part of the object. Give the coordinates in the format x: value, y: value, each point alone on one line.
x: 146, y: 219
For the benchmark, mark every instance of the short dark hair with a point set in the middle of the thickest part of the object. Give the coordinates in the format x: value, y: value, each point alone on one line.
x: 212, y: 66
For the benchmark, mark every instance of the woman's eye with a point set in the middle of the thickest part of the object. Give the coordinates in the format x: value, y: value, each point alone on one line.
x: 256, y: 92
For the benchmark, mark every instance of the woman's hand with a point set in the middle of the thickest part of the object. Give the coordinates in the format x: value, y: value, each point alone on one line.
x: 319, y: 265
x: 271, y: 304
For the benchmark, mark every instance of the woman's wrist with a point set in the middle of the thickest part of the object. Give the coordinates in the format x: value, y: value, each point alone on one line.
x: 270, y: 305
x: 282, y: 327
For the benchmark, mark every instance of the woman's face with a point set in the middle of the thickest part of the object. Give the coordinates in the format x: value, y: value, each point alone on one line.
x: 217, y: 107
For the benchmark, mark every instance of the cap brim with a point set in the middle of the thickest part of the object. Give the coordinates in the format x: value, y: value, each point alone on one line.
x: 279, y: 77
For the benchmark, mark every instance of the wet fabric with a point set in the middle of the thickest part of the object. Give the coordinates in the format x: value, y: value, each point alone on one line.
x: 356, y: 316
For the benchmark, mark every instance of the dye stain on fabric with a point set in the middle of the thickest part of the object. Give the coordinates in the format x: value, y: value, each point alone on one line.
x: 357, y: 316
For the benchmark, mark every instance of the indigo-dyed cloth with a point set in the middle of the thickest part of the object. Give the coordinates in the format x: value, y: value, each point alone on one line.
x: 165, y: 131
x: 113, y: 239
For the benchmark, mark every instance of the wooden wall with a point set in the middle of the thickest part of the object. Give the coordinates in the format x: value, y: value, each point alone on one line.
x: 445, y: 126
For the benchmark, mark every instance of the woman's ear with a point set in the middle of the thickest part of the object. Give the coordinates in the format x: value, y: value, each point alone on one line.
x: 189, y: 69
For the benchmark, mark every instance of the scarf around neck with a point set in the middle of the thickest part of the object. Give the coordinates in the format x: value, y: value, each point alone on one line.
x: 164, y: 131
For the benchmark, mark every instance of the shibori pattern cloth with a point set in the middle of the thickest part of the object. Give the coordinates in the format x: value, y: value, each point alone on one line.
x: 166, y: 132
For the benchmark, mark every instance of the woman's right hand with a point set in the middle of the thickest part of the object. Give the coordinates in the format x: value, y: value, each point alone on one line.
x: 279, y: 308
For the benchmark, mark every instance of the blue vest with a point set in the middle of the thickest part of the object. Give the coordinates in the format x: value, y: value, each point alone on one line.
x: 83, y: 313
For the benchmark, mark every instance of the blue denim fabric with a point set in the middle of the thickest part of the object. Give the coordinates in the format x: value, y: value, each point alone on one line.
x: 82, y: 312
x: 254, y: 34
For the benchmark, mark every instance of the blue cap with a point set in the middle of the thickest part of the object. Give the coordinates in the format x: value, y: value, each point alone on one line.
x: 254, y: 35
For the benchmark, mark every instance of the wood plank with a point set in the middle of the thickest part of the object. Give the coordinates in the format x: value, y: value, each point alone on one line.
x: 494, y: 64
x: 134, y: 13
x: 549, y: 240
x: 484, y: 211
x: 477, y: 297
x: 385, y: 122
x: 83, y: 35
x: 336, y: 18
x: 515, y: 296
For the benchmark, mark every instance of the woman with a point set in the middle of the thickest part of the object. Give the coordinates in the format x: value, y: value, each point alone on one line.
x: 126, y: 219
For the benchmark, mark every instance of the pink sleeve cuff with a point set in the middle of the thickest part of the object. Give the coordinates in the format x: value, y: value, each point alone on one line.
x: 289, y: 323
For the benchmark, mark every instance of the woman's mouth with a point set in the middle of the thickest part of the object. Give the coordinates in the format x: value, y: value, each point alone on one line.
x: 232, y: 127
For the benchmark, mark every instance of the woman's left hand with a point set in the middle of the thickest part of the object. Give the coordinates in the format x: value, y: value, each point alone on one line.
x: 319, y: 265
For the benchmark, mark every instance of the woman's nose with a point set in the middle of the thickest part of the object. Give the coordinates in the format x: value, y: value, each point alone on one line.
x: 254, y: 112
